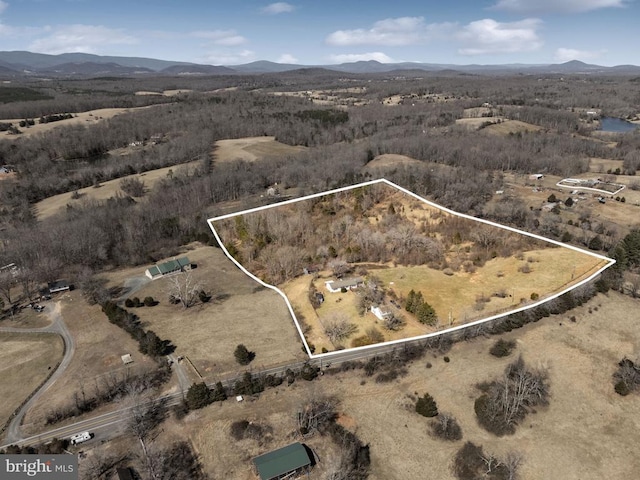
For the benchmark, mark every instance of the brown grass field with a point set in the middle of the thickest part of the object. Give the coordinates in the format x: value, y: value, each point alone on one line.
x: 251, y: 149
x: 27, y: 318
x: 511, y: 126
x: 25, y: 361
x: 241, y: 311
x: 58, y: 203
x: 453, y: 297
x: 80, y: 118
x: 587, y: 432
x: 99, y: 345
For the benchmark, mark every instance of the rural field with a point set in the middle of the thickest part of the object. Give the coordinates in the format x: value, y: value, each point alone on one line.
x: 240, y: 311
x: 58, y: 203
x: 587, y: 432
x: 251, y: 149
x: 98, y: 348
x: 481, y: 270
x: 80, y: 118
x: 26, y: 359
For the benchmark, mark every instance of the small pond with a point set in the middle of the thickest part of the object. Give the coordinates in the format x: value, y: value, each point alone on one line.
x: 616, y: 125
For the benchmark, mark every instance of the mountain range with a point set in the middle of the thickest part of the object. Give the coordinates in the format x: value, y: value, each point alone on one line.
x: 23, y: 63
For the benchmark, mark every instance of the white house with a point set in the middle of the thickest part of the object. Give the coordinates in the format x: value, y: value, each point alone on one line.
x: 381, y: 312
x: 337, y: 285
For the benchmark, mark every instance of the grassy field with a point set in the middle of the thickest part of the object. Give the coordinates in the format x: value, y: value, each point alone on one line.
x: 99, y: 345
x: 251, y: 149
x: 80, y: 118
x: 511, y: 126
x: 588, y: 432
x: 58, y: 203
x: 454, y: 297
x: 27, y: 318
x: 25, y: 361
x: 241, y: 311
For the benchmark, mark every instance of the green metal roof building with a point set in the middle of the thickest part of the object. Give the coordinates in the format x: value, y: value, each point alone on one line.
x: 165, y: 268
x: 283, y: 462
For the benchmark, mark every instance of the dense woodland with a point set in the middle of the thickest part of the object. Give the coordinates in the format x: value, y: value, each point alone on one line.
x: 91, y: 236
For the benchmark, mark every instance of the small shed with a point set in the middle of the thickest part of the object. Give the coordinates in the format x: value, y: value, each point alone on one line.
x: 283, y: 463
x: 381, y: 312
x: 126, y: 358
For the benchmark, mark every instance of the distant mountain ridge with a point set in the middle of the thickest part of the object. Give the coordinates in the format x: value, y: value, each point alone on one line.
x: 83, y: 64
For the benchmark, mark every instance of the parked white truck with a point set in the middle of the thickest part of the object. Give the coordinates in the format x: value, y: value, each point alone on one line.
x: 81, y: 437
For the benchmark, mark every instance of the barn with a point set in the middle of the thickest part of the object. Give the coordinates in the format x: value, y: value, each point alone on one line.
x: 286, y: 462
x: 172, y: 266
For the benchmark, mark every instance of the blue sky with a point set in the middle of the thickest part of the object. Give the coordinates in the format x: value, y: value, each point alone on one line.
x: 312, y: 32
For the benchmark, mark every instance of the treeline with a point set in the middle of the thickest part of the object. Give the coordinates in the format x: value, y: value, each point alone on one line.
x: 149, y: 343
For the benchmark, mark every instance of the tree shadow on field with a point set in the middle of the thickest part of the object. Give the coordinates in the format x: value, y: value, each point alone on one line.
x: 221, y: 297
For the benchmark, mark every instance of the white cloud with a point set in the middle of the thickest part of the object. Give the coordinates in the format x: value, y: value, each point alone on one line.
x: 278, y: 7
x: 361, y: 57
x: 564, y: 6
x: 227, y: 38
x: 489, y: 37
x: 390, y: 32
x: 230, y: 58
x: 3, y: 6
x: 80, y: 38
x: 287, y: 58
x: 567, y: 54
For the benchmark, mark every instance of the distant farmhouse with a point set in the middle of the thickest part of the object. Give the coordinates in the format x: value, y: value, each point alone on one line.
x: 167, y: 268
x: 286, y: 462
x: 337, y: 285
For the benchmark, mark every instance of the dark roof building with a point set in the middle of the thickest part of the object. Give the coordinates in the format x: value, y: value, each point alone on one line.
x: 283, y: 462
x: 124, y: 473
x: 349, y: 283
x: 59, y: 286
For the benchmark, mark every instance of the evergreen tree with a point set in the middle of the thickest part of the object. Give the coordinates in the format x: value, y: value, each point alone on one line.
x: 219, y: 393
x: 243, y: 355
x: 410, y: 302
x: 426, y: 406
x: 199, y: 396
x: 426, y: 314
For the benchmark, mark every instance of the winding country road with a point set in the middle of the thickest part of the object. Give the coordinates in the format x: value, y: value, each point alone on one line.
x: 108, y: 424
x: 57, y: 326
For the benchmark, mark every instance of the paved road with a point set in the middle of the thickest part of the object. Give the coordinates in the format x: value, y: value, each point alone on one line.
x: 58, y: 327
x: 108, y: 424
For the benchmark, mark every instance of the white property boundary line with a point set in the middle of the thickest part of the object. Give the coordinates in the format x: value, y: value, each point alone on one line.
x: 609, y: 261
x: 578, y: 187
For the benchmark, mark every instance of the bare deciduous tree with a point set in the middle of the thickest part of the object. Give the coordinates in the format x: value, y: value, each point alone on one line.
x: 184, y: 289
x: 339, y: 329
x: 316, y: 414
x: 394, y: 322
x: 144, y: 416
